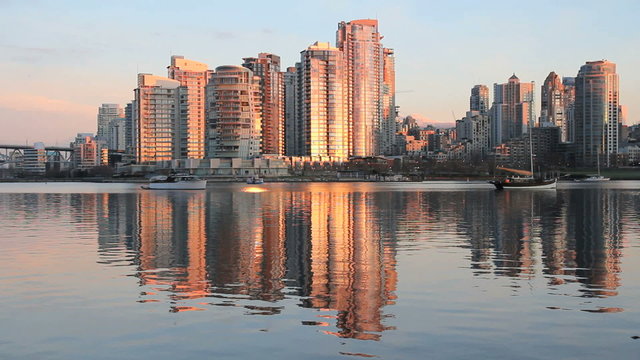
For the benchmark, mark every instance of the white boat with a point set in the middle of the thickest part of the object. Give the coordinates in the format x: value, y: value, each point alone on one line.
x: 176, y: 182
x: 595, y: 178
x: 255, y: 180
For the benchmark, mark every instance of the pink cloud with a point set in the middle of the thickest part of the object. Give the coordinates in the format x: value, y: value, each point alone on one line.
x: 26, y: 102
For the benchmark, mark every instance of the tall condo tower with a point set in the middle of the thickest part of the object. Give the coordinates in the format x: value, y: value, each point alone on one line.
x: 293, y: 122
x: 106, y: 113
x: 552, y: 110
x: 389, y: 113
x: 596, y: 113
x: 156, y: 99
x: 513, y: 111
x: 131, y: 127
x: 359, y: 40
x: 190, y: 125
x: 267, y: 68
x: 569, y: 100
x: 479, y: 99
x: 234, y: 115
x: 323, y: 99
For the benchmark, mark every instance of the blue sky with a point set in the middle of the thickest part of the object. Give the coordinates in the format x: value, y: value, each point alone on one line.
x: 62, y: 59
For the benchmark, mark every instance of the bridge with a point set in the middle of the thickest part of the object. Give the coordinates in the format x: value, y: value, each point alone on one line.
x: 15, y: 153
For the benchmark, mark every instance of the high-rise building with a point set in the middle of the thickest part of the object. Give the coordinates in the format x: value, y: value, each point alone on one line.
x: 34, y: 161
x: 479, y: 99
x: 552, y: 111
x: 190, y: 125
x: 389, y: 112
x: 476, y: 129
x: 86, y: 152
x: 293, y: 122
x: 569, y: 99
x: 323, y: 99
x: 359, y: 41
x: 106, y: 113
x: 267, y: 68
x: 513, y: 110
x: 597, y: 113
x: 130, y: 138
x: 116, y: 134
x: 234, y: 115
x: 156, y: 100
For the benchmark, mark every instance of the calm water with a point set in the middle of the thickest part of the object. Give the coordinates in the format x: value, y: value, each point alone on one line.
x: 319, y: 271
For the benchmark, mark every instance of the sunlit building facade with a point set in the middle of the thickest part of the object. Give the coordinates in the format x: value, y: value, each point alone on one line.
x: 552, y: 109
x: 292, y: 120
x: 359, y: 41
x: 479, y: 99
x: 389, y: 113
x: 569, y: 100
x: 512, y: 113
x: 34, y: 161
x: 323, y: 101
x: 86, y: 152
x: 234, y: 118
x: 106, y: 113
x: 267, y: 68
x: 156, y: 100
x: 597, y: 113
x: 190, y: 125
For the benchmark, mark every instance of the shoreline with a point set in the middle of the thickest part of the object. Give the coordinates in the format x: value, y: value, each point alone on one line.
x: 278, y: 180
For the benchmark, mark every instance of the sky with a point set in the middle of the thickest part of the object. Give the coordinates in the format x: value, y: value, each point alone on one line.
x: 62, y: 59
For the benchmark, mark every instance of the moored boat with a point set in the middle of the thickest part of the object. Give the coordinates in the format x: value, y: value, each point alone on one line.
x: 515, y: 182
x: 176, y: 182
x: 255, y: 180
x: 594, y: 178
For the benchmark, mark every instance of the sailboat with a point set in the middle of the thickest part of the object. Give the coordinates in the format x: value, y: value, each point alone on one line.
x: 523, y: 179
x: 596, y: 178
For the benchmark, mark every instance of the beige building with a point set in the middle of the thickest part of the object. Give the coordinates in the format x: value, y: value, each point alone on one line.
x: 359, y: 40
x: 156, y: 101
x: 86, y: 152
x: 234, y: 115
x: 106, y: 113
x: 267, y: 68
x: 34, y: 161
x: 597, y: 114
x: 323, y: 98
x: 190, y: 125
x: 513, y: 110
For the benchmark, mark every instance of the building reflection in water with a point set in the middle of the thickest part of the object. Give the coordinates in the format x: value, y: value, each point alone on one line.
x: 579, y: 234
x: 335, y: 248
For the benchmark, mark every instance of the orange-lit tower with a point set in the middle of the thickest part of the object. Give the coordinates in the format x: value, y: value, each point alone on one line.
x: 267, y: 68
x: 156, y: 101
x: 234, y: 113
x: 324, y: 112
x: 359, y: 40
x: 190, y: 123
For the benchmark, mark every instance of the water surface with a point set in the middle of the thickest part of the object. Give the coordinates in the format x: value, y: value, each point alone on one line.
x: 319, y: 271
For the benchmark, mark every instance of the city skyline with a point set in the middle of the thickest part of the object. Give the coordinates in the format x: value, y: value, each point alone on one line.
x: 62, y: 72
